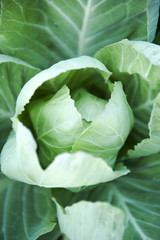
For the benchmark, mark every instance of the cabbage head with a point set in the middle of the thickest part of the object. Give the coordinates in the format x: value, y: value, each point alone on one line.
x: 69, y: 126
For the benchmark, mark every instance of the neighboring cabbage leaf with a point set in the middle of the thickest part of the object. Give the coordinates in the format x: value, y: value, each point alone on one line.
x: 91, y: 220
x: 45, y: 32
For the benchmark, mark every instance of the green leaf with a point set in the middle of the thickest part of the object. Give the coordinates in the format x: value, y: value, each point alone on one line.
x: 19, y: 161
x: 46, y: 32
x: 87, y: 220
x: 88, y: 104
x: 137, y: 65
x: 14, y: 73
x: 107, y: 133
x: 26, y: 211
x: 138, y: 195
x: 57, y: 124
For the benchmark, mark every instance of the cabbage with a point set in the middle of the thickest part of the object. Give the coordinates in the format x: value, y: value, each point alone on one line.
x: 79, y: 120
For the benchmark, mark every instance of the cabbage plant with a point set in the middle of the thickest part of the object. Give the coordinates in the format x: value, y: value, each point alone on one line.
x: 79, y: 120
x: 76, y: 129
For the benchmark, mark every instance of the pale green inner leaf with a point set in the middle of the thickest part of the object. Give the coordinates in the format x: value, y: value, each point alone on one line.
x: 88, y: 105
x: 57, y: 124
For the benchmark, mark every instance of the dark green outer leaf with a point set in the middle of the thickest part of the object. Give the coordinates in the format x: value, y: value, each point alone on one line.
x: 26, y: 212
x: 44, y: 32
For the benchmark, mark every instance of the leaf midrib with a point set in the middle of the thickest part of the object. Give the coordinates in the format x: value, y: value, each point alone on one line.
x: 128, y: 213
x: 83, y: 31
